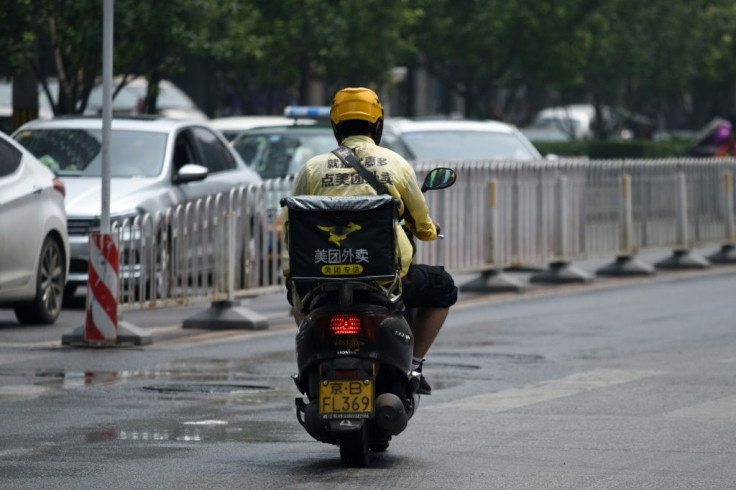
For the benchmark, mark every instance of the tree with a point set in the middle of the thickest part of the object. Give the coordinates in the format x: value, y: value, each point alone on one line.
x: 712, y: 86
x: 69, y: 32
x: 477, y: 46
x: 18, y: 27
x: 340, y: 42
x: 152, y: 38
x: 368, y: 39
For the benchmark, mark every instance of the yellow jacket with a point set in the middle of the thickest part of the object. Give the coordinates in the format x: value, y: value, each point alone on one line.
x: 325, y: 175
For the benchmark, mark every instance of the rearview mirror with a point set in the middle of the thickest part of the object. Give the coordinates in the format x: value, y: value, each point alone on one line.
x: 191, y: 172
x: 439, y: 178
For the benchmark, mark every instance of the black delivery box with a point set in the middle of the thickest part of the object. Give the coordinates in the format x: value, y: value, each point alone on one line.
x: 342, y: 237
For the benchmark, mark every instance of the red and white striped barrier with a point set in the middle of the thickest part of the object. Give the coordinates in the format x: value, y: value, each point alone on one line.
x: 101, y: 324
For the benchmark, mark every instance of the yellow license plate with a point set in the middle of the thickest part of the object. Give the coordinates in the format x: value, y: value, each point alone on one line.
x: 346, y: 399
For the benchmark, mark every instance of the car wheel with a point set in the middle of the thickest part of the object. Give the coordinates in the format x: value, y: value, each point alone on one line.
x: 44, y: 309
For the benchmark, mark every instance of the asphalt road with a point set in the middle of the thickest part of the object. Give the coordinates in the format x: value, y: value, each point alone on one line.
x: 623, y: 383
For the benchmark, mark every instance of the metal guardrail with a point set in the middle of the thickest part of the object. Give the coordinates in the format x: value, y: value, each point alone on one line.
x: 219, y: 248
x: 505, y: 214
x: 499, y: 215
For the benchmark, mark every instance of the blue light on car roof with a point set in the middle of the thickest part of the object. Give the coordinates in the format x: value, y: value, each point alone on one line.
x: 306, y: 111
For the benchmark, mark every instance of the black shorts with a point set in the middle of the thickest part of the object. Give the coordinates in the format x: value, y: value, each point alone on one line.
x: 423, y: 286
x: 428, y: 286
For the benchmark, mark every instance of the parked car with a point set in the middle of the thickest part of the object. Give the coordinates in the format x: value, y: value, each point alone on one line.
x: 452, y: 139
x: 576, y: 120
x: 545, y: 130
x: 282, y: 150
x: 156, y: 163
x: 234, y: 126
x: 172, y: 102
x: 34, y: 245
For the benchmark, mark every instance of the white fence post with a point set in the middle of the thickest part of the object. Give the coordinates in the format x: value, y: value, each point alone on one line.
x: 226, y: 314
x: 627, y: 216
x: 682, y: 257
x: 727, y: 253
x: 626, y: 263
x: 493, y: 279
x: 561, y: 270
x: 562, y: 212
x: 682, y: 229
x: 492, y: 236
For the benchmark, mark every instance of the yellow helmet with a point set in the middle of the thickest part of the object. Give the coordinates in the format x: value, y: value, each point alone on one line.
x: 356, y: 103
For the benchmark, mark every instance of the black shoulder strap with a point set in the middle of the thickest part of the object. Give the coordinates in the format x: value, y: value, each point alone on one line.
x: 349, y: 158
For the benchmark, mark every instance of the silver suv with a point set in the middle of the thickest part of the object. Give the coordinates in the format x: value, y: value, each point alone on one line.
x: 156, y: 163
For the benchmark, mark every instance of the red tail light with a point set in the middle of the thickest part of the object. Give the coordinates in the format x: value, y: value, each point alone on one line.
x: 59, y: 186
x: 345, y: 374
x: 363, y: 325
x: 345, y: 324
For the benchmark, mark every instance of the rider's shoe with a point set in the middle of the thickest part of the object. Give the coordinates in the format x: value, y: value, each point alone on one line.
x: 424, y: 388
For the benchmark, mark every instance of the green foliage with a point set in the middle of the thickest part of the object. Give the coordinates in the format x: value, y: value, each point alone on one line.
x: 646, y: 56
x: 18, y: 27
x: 152, y: 38
x: 340, y: 42
x: 598, y: 149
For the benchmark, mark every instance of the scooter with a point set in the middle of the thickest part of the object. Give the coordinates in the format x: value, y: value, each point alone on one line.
x: 354, y: 346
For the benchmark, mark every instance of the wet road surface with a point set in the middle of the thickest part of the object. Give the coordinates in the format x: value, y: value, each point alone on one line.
x: 627, y: 386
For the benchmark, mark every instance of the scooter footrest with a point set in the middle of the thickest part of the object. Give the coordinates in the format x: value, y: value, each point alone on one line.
x: 414, y: 379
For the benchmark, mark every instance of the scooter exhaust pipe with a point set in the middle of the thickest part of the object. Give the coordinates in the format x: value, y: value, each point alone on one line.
x: 390, y: 414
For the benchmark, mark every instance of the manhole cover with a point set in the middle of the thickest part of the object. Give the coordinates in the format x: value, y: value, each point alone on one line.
x: 206, y: 389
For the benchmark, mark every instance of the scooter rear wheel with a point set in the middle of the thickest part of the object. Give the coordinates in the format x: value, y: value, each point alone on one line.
x: 379, y: 447
x: 354, y: 450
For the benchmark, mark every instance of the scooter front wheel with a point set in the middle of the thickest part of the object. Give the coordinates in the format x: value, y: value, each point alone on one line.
x: 354, y: 448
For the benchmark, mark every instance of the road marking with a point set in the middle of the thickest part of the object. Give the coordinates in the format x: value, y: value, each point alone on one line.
x: 723, y: 408
x: 17, y: 452
x: 31, y: 345
x: 551, y: 390
x: 220, y: 337
x: 21, y: 392
x: 22, y: 356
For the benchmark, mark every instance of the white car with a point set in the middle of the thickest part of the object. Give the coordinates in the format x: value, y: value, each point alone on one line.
x: 172, y: 102
x: 576, y: 121
x: 277, y: 151
x: 455, y: 139
x: 34, y: 245
x: 156, y: 163
x: 234, y: 126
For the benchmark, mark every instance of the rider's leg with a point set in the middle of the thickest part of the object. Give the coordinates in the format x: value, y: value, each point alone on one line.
x: 432, y: 291
x: 427, y: 324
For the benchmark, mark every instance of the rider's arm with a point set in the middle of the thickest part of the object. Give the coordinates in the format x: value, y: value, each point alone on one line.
x: 416, y: 212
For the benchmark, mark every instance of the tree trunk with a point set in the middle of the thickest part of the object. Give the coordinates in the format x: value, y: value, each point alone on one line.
x: 25, y: 98
x: 149, y: 106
